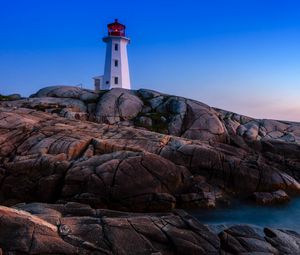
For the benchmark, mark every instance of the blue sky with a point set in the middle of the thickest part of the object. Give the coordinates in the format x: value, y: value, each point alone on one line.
x: 242, y: 56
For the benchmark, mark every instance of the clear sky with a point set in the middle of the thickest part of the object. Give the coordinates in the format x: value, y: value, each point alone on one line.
x: 239, y: 55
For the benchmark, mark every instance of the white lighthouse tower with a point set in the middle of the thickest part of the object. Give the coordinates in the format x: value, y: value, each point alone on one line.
x: 116, y: 70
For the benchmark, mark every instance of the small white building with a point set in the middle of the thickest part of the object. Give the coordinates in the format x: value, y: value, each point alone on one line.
x: 116, y: 69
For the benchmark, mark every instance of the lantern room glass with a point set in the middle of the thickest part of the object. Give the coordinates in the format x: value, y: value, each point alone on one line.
x: 116, y: 29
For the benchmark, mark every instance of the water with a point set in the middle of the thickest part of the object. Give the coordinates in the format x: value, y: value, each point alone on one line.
x: 282, y: 216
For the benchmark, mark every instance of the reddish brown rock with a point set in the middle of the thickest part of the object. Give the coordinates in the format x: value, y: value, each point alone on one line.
x: 196, y: 156
x: 135, y: 181
x: 47, y: 158
x: 268, y: 198
x: 23, y: 232
x: 245, y: 240
x: 118, y: 105
x: 82, y: 230
x: 78, y: 229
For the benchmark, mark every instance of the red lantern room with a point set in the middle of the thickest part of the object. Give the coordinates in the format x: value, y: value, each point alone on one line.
x: 116, y: 29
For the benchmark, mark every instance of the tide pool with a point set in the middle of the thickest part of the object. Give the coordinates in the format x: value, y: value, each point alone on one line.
x: 285, y: 216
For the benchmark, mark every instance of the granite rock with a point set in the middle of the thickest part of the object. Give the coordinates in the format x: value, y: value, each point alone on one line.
x: 74, y: 228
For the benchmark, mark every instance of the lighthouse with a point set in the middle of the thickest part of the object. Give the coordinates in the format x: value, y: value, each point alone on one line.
x: 116, y: 68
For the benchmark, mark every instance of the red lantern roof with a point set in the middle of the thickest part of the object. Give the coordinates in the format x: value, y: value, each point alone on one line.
x: 116, y: 29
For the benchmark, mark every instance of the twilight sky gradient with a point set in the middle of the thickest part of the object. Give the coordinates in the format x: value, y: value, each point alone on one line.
x: 242, y: 56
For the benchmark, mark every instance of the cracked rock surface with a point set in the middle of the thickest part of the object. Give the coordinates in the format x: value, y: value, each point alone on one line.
x: 105, y: 173
x: 48, y: 158
x: 75, y: 228
x: 158, y: 112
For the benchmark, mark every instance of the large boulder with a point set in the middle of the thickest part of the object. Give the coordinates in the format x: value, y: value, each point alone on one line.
x: 164, y: 114
x: 260, y: 129
x: 78, y: 229
x: 118, y: 105
x: 268, y: 198
x: 68, y: 92
x: 147, y: 94
x: 28, y: 234
x: 11, y: 97
x: 126, y: 180
x: 41, y: 150
x: 243, y: 239
x: 74, y: 228
x: 285, y: 241
x: 203, y: 123
x: 66, y: 107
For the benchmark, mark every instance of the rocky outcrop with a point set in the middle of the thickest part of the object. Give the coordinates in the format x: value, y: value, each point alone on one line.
x: 244, y: 239
x: 66, y: 107
x: 75, y: 228
x: 84, y: 154
x: 268, y: 198
x: 182, y: 117
x: 25, y: 233
x: 11, y: 97
x: 84, y: 95
x: 47, y: 158
x: 160, y: 113
x: 118, y: 105
x: 163, y: 113
x: 260, y: 129
x: 79, y: 229
x: 126, y: 180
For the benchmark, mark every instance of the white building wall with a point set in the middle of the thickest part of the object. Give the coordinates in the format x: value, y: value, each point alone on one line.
x: 110, y: 70
x: 98, y: 82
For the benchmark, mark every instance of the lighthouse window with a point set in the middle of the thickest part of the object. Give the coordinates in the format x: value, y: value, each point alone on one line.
x: 116, y: 80
x: 116, y: 47
x: 116, y: 63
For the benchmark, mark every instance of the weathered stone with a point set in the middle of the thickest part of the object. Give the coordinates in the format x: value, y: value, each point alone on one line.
x: 11, y: 97
x: 175, y: 125
x: 203, y: 123
x: 285, y: 241
x: 148, y: 94
x: 53, y: 103
x: 145, y: 121
x: 186, y: 117
x: 38, y: 149
x: 68, y: 92
x: 156, y: 101
x: 78, y: 229
x: 23, y: 232
x: 274, y: 125
x: 117, y: 105
x: 128, y: 181
x: 206, y: 127
x: 50, y: 159
x: 255, y: 129
x: 245, y: 240
x: 267, y: 198
x: 105, y: 233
